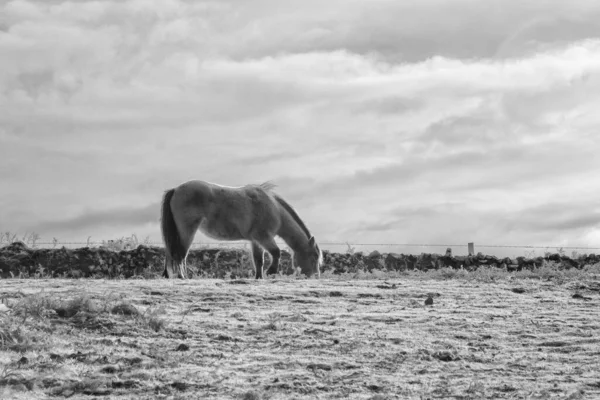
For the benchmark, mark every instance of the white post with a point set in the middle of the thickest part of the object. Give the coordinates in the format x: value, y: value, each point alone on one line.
x: 471, y: 246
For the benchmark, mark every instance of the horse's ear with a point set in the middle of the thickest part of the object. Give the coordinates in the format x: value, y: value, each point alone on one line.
x: 311, y: 241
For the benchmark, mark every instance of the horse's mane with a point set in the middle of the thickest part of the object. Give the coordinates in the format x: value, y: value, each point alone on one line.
x: 294, y: 215
x: 269, y: 186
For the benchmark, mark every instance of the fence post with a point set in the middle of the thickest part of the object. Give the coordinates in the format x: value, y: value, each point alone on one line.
x: 471, y: 246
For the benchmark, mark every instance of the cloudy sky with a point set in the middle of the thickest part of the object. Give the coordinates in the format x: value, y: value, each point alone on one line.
x: 429, y: 121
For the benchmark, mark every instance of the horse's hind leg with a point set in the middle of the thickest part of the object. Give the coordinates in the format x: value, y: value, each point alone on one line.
x: 187, y: 238
x: 258, y: 259
x: 186, y: 227
x: 275, y: 252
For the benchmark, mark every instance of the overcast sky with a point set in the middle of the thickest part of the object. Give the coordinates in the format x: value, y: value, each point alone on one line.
x: 429, y: 121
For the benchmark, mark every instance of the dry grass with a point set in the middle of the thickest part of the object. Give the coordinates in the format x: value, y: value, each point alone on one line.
x: 532, y: 335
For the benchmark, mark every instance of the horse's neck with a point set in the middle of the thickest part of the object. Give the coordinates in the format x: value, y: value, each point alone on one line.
x: 292, y: 233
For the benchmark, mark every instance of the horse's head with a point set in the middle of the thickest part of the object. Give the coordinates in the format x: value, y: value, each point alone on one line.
x: 310, y: 259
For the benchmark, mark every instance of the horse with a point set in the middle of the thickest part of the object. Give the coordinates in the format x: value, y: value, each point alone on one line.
x: 252, y: 212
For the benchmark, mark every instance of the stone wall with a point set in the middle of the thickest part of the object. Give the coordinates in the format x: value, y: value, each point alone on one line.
x: 18, y: 260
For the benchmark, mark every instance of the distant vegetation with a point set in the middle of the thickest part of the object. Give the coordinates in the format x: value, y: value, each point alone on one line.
x: 33, y: 239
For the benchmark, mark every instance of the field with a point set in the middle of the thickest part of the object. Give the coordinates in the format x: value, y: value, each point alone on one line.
x: 338, y: 337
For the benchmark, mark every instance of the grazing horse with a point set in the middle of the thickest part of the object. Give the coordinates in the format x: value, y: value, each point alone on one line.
x: 252, y: 212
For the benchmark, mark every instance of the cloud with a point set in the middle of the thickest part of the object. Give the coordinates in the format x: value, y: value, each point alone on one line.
x: 571, y: 216
x: 401, y: 32
x: 91, y: 221
x: 374, y: 119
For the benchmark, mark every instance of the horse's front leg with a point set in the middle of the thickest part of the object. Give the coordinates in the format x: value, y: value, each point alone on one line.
x: 275, y: 252
x: 275, y: 257
x: 258, y: 258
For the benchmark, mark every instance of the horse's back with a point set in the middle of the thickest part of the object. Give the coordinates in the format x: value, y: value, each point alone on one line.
x: 191, y: 197
x: 222, y: 211
x: 199, y: 191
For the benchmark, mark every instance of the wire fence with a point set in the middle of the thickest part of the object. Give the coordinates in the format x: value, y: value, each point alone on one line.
x: 457, y: 249
x: 242, y: 243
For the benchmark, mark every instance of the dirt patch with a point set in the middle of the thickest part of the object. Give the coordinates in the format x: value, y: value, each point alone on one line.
x: 302, y: 339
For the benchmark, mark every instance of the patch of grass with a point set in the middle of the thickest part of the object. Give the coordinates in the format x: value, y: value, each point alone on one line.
x: 363, y: 275
x: 36, y: 307
x: 13, y: 381
x: 82, y: 303
x: 448, y: 273
x: 274, y: 323
x: 9, y: 372
x: 154, y: 271
x: 15, y: 337
x: 124, y: 308
x: 41, y: 306
x: 153, y: 318
x: 487, y: 274
x: 551, y: 271
x: 87, y: 386
x: 81, y: 311
x: 592, y: 269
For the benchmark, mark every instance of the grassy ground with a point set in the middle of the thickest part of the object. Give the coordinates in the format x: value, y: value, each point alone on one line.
x: 369, y: 336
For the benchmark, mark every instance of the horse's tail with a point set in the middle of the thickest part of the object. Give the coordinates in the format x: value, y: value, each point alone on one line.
x: 170, y: 233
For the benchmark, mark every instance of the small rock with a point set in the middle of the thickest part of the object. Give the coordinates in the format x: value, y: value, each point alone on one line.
x: 387, y: 286
x: 445, y: 356
x: 110, y: 369
x: 127, y: 384
x: 429, y: 301
x: 19, y: 387
x: 182, y: 347
x: 251, y: 396
x: 65, y: 312
x: 378, y: 397
x: 181, y: 386
x: 124, y: 309
x: 579, y: 296
x: 375, y: 388
x: 315, y: 366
